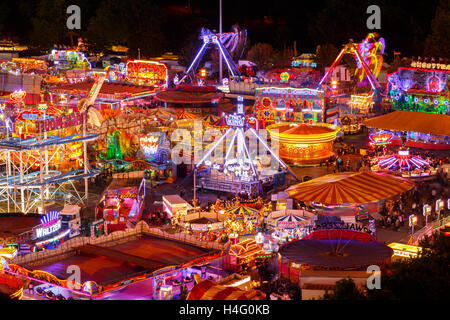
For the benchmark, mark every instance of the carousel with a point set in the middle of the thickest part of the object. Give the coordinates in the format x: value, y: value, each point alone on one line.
x: 304, y: 144
x: 288, y: 225
x: 405, y: 164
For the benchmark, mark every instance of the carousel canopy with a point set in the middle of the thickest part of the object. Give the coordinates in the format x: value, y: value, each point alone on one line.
x: 290, y: 220
x: 210, y: 290
x: 350, y: 188
x: 186, y: 115
x: 210, y: 118
x: 336, y: 249
x: 159, y: 113
x: 430, y: 123
x: 219, y: 123
x: 241, y: 210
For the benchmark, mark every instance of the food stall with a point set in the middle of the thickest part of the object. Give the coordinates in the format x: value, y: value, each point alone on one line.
x: 122, y: 202
x: 245, y: 252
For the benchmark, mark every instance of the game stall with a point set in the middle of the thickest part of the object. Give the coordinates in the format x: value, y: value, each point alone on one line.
x: 281, y: 104
x: 422, y: 87
x: 423, y: 130
x: 149, y: 73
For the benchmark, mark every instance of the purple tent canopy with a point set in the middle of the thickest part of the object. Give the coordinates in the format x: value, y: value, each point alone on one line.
x: 336, y: 253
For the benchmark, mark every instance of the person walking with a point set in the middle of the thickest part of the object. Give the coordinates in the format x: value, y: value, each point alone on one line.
x: 397, y: 224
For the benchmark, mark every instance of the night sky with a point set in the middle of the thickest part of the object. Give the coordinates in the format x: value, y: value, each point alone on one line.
x: 405, y: 24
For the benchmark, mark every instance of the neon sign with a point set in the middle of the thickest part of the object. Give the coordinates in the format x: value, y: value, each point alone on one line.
x: 303, y: 63
x: 429, y: 65
x: 18, y: 96
x: 235, y: 120
x: 50, y: 224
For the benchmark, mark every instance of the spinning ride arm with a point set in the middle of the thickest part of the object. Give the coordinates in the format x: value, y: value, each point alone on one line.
x: 351, y: 48
x: 87, y: 105
x: 207, y: 39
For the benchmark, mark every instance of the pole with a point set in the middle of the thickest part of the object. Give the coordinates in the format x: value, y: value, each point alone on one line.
x: 195, y: 196
x: 86, y: 184
x: 220, y: 31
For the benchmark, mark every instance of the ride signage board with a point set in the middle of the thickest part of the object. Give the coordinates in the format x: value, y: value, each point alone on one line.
x: 47, y: 229
x: 235, y: 120
x: 72, y: 120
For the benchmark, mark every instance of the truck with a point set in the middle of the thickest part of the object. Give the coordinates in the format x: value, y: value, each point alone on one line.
x: 70, y: 215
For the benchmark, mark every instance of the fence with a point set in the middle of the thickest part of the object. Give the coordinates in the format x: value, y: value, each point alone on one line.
x: 67, y: 248
x: 429, y: 229
x: 189, y: 239
x: 129, y: 175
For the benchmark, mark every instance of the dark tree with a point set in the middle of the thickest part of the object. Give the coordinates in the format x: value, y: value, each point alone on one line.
x: 134, y: 23
x: 262, y: 55
x: 424, y: 277
x: 438, y: 42
x: 49, y: 23
x: 325, y: 55
x: 344, y: 289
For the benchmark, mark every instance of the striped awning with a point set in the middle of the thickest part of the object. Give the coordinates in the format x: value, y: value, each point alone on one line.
x: 350, y: 188
x: 289, y: 221
x: 210, y: 290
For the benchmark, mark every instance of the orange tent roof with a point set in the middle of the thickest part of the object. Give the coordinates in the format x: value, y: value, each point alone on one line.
x: 350, y: 188
x: 210, y: 290
x: 430, y: 123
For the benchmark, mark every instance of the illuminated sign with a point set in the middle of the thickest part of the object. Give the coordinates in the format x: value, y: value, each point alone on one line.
x: 426, y: 209
x: 235, y: 120
x: 17, y: 96
x: 430, y: 65
x: 303, y: 63
x: 149, y: 145
x: 50, y: 224
x: 341, y: 226
x: 439, y: 205
x: 380, y: 138
x: 412, y: 220
x: 403, y: 250
x: 128, y: 195
x: 403, y: 153
x: 72, y: 120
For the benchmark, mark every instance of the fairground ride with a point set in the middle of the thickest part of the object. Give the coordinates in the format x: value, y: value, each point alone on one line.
x: 239, y: 167
x: 368, y: 55
x: 227, y: 44
x: 28, y: 182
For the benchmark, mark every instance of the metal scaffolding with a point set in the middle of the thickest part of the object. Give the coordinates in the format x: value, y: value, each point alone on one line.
x: 27, y: 183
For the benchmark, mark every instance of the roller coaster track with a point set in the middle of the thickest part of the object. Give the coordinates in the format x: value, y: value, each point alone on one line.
x: 32, y: 180
x: 17, y: 144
